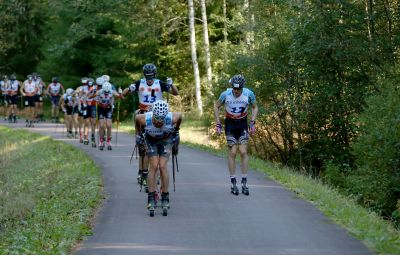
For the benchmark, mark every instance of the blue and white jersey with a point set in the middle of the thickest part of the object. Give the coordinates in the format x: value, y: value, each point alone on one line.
x: 4, y: 87
x: 236, y: 107
x: 156, y: 132
x: 13, y: 87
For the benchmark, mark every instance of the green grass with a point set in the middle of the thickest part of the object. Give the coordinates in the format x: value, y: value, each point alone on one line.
x: 48, y: 193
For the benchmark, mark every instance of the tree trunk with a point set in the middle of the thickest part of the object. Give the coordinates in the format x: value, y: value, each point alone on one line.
x: 194, y: 57
x: 225, y: 31
x: 206, y: 43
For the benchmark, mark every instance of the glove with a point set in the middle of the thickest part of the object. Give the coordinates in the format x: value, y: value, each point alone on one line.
x: 252, y: 127
x: 132, y: 87
x: 175, y: 137
x: 218, y: 128
x: 119, y: 91
x: 139, y: 139
x: 169, y: 83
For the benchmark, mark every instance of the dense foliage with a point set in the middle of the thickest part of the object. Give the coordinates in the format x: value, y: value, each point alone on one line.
x: 318, y: 68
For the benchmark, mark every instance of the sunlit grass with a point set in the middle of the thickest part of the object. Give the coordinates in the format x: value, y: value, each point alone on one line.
x: 48, y: 192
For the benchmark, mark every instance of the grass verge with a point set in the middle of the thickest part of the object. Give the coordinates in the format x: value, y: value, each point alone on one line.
x: 48, y: 194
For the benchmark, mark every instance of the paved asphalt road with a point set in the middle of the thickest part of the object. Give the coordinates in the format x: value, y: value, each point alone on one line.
x: 204, y: 217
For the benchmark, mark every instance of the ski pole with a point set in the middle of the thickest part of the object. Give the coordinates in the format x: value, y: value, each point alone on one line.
x: 116, y: 135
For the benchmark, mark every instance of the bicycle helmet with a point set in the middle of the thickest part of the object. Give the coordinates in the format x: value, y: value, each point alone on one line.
x: 237, y: 81
x: 107, y: 88
x: 54, y: 79
x: 149, y: 71
x: 99, y: 81
x: 84, y: 80
x: 106, y: 77
x: 13, y: 77
x: 70, y: 91
x: 90, y: 81
x: 160, y: 109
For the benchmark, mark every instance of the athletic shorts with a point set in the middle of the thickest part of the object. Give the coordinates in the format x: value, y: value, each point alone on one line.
x: 55, y: 100
x: 29, y: 101
x: 91, y: 111
x: 71, y: 110
x: 12, y: 99
x: 236, y: 131
x: 38, y: 98
x: 105, y: 113
x: 158, y: 147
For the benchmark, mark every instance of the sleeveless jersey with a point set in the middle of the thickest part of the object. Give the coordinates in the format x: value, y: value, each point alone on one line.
x: 149, y: 94
x: 4, y: 87
x: 105, y: 100
x: 70, y: 101
x: 13, y: 87
x: 30, y: 88
x: 156, y: 132
x: 91, y: 101
x: 236, y: 107
x: 40, y: 85
x: 55, y: 88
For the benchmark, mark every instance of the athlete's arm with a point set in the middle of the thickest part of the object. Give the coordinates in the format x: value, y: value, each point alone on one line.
x: 217, y: 105
x: 177, y: 119
x: 254, y: 111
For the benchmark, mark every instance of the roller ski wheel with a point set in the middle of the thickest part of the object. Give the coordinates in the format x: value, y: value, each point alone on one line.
x: 165, y: 203
x: 151, y: 207
x: 165, y: 211
x: 234, y: 188
x: 139, y: 178
x: 245, y: 188
x: 151, y: 212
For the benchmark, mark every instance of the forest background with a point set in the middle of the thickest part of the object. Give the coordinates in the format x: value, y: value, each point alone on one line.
x: 325, y: 72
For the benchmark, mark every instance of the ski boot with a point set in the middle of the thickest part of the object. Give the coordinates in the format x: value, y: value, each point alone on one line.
x: 15, y: 118
x: 143, y: 180
x: 234, y: 188
x: 109, y: 147
x: 245, y: 188
x: 76, y: 135
x: 139, y: 177
x: 80, y: 139
x: 10, y: 119
x: 151, y: 203
x: 165, y: 203
x: 26, y: 123
x: 86, y: 141
x: 93, y: 142
x: 101, y: 145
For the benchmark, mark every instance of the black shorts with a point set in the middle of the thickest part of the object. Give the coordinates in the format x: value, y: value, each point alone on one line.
x: 71, y: 110
x: 105, y: 113
x: 29, y: 101
x: 158, y: 147
x: 38, y: 98
x: 91, y: 111
x: 236, y: 131
x: 12, y: 99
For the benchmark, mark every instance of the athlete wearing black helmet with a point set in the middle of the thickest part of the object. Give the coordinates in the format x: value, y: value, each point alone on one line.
x: 149, y: 89
x: 237, y: 100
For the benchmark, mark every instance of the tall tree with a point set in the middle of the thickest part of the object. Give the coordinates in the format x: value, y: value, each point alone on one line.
x: 206, y: 42
x: 193, y: 47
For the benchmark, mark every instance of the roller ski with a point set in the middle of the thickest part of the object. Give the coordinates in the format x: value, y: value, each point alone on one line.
x: 143, y: 181
x: 139, y: 177
x: 245, y: 188
x: 165, y: 203
x: 234, y: 188
x: 101, y: 145
x: 93, y: 142
x: 86, y: 141
x: 109, y: 147
x: 151, y: 204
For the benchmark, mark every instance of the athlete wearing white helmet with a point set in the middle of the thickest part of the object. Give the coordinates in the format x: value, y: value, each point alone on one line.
x: 105, y: 99
x: 55, y: 90
x: 69, y: 105
x: 28, y: 90
x: 13, y: 86
x: 158, y: 130
x: 149, y: 90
